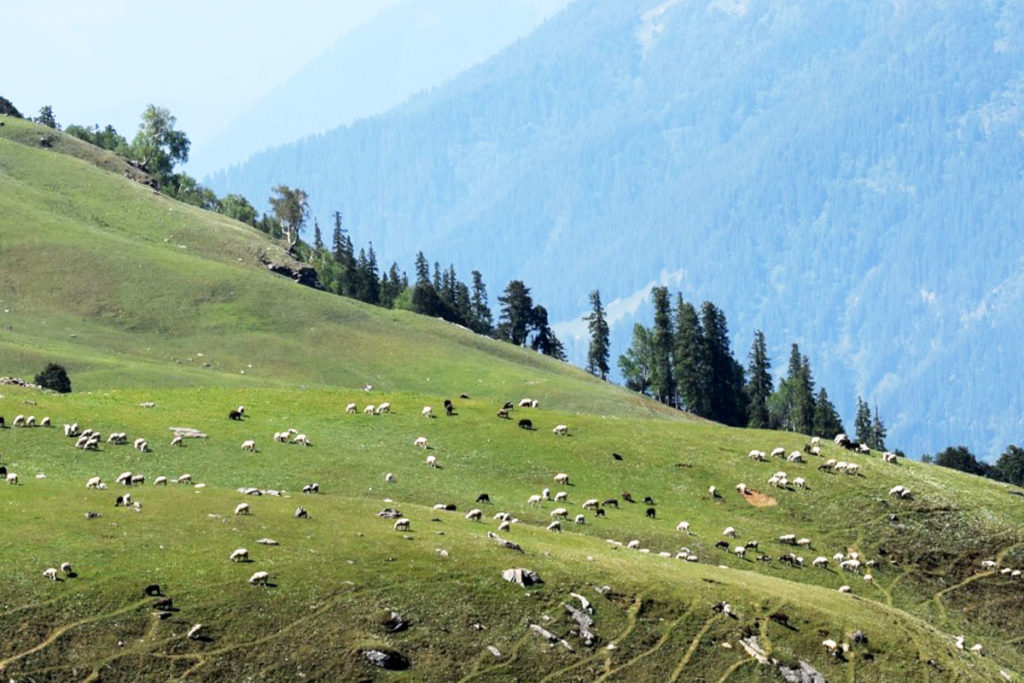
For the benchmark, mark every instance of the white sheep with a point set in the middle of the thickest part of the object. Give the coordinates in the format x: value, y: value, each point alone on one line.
x: 420, y: 442
x: 800, y: 483
x: 402, y: 524
x: 633, y: 545
x: 830, y: 645
x: 740, y: 551
x: 712, y: 491
x: 757, y: 455
x: 124, y: 478
x: 560, y: 512
x: 138, y: 479
x: 580, y: 519
x: 561, y: 430
x: 815, y: 441
x: 820, y: 561
x: 19, y: 421
x: 141, y: 445
x: 30, y: 421
x: 683, y: 526
x: 869, y: 578
x: 897, y: 490
x: 889, y: 456
x: 50, y: 573
x: 427, y: 412
x: 431, y: 461
x: 554, y: 526
x: 778, y: 452
x: 741, y: 489
x: 389, y: 477
x: 505, y: 525
x: 729, y: 531
x: 93, y: 483
x: 368, y: 410
x: 383, y: 408
x: 249, y: 445
x: 803, y: 542
x: 562, y: 478
x: 534, y: 500
x: 302, y: 439
x: 259, y: 578
x: 242, y: 509
x: 795, y: 456
x: 561, y: 496
x: 240, y: 555
x: 177, y: 441
x: 475, y: 515
x: 185, y: 479
x: 591, y: 503
x: 45, y: 422
x: 281, y: 437
x: 82, y: 440
x: 844, y: 589
x: 65, y: 567
x: 526, y: 403
x: 545, y: 494
x: 988, y: 564
x: 160, y: 481
x: 351, y: 408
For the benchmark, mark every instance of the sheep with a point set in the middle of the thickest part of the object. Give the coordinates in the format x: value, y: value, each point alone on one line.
x: 830, y: 645
x: 503, y: 413
x: 402, y: 524
x: 30, y: 421
x: 475, y: 515
x: 757, y: 455
x: 19, y: 421
x: 869, y: 578
x: 249, y: 445
x: 590, y: 503
x: 803, y: 542
x: 70, y: 430
x: 599, y: 512
x: 82, y: 440
x: 526, y: 424
x: 45, y: 422
x: 795, y: 456
x: 242, y: 509
x: 124, y: 478
x: 839, y: 557
x: 651, y: 513
x: 141, y: 445
x: 820, y: 561
x: 259, y: 579
x: 449, y: 408
x: 889, y: 457
x: 427, y: 412
x: 235, y: 414
x: 311, y: 488
x: 560, y: 512
x: 740, y: 551
x: 383, y: 409
x: 240, y: 555
x: 160, y: 481
x: 301, y: 513
x: 554, y: 526
x: 502, y: 516
x: 713, y: 492
x: 302, y: 439
x: 778, y: 452
x: 611, y: 502
x: 50, y: 573
x: 351, y: 408
x: 800, y: 483
x: 389, y: 477
x: 562, y: 478
x: 561, y: 430
x: 844, y: 589
x: 483, y: 498
x: 185, y: 479
x: 815, y: 451
x: 93, y: 483
x: 65, y: 568
x: 281, y: 437
x: 976, y: 648
x: 505, y: 525
x: 897, y: 490
x: 988, y: 564
x: 431, y: 461
x: 177, y: 441
x: 368, y: 410
x: 561, y: 496
x: 729, y: 531
x: 683, y: 526
x: 864, y: 449
x: 12, y: 478
x: 545, y: 493
x: 850, y: 565
x: 420, y: 442
x: 741, y: 489
x: 787, y: 539
x: 533, y: 500
x: 138, y: 479
x: 852, y: 468
x: 579, y: 519
x: 526, y: 403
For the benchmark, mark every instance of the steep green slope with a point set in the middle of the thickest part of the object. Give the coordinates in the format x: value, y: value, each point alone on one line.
x: 89, y: 280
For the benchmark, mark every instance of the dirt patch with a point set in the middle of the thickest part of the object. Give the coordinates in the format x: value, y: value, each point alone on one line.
x: 759, y: 500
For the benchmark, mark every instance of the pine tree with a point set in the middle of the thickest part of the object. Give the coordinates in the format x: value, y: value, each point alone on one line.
x: 637, y: 364
x: 516, y: 313
x: 689, y: 358
x: 727, y: 399
x: 759, y: 383
x: 336, y: 237
x: 862, y: 422
x: 663, y: 382
x: 597, y: 325
x: 545, y: 340
x: 481, y: 321
x: 318, y: 239
x: 826, y: 419
x: 370, y: 278
x: 878, y: 433
x: 422, y: 268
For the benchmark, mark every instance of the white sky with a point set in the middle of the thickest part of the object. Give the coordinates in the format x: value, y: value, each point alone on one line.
x: 103, y: 61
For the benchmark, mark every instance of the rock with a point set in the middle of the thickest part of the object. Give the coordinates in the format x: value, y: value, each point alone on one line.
x: 524, y: 577
x: 303, y: 275
x: 503, y: 543
x: 389, y: 513
x: 386, y: 659
x: 801, y: 673
x: 267, y: 541
x: 494, y: 651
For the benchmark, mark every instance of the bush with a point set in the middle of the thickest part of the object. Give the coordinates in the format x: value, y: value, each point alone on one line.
x: 54, y: 377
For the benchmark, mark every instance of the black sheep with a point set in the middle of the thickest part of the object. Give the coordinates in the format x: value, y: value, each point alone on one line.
x: 526, y: 424
x: 651, y: 512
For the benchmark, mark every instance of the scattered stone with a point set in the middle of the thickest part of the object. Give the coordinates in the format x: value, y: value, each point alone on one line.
x: 503, y: 543
x: 754, y: 650
x: 267, y: 541
x: 585, y: 623
x: 386, y: 659
x: 524, y: 577
x: 801, y: 673
x: 389, y: 513
x: 494, y: 651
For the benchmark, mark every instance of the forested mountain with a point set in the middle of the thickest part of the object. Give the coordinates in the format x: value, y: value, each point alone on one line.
x: 846, y: 176
x: 364, y: 74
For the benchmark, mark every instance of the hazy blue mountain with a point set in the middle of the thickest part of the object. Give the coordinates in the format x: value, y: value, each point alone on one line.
x: 845, y: 175
x: 412, y: 46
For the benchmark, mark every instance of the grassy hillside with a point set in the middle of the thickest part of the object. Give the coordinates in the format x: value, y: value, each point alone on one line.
x: 89, y: 280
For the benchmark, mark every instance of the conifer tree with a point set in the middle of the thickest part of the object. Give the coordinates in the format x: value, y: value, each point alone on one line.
x: 336, y: 237
x: 689, y: 358
x: 318, y: 238
x: 480, y: 318
x: 878, y: 433
x: 637, y: 364
x: 516, y: 313
x: 826, y: 419
x: 663, y: 382
x: 597, y: 325
x: 759, y: 383
x: 422, y: 268
x: 862, y: 421
x: 727, y: 399
x: 545, y: 340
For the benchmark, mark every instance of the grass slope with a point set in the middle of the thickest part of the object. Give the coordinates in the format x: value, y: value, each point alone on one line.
x: 88, y: 280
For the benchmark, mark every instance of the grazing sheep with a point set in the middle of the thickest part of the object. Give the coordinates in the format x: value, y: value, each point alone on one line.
x: 302, y: 439
x: 778, y: 452
x: 141, y: 445
x: 579, y: 519
x: 124, y: 478
x: 562, y: 478
x: 560, y: 512
x: 138, y: 479
x: 844, y: 589
x: 259, y: 578
x: 760, y: 456
x: 301, y: 513
x: 611, y: 502
x: 50, y: 573
x: 402, y: 524
x: 12, y: 478
x: 795, y: 456
x: 599, y: 512
x: 427, y: 412
x: 590, y: 503
x: 713, y: 492
x: 869, y: 578
x: 160, y: 481
x: 93, y: 483
x: 82, y: 440
x: 864, y: 449
x: 800, y: 483
x: 311, y: 488
x: 988, y: 564
x: 787, y: 539
x: 505, y: 525
x: 368, y: 410
x: 850, y: 565
x: 383, y: 409
x: 389, y: 477
x: 561, y: 496
x: 740, y: 551
x: 431, y: 461
x: 177, y: 441
x: 45, y: 422
x: 830, y: 645
x: 534, y: 500
x: 545, y: 494
x: 526, y: 403
x: 185, y: 479
x: 897, y: 490
x: 526, y: 424
x: 30, y: 421
x: 351, y: 408
x: 741, y: 489
x: 651, y: 513
x: 242, y: 509
x: 890, y: 457
x: 815, y: 451
x: 249, y: 445
x: 281, y: 437
x: 483, y: 498
x: 65, y: 568
x: 554, y: 526
x: 420, y: 442
x: 240, y: 555
x: 729, y: 531
x: 683, y: 526
x: 19, y: 421
x: 976, y: 648
x: 475, y: 515
x: 804, y: 542
x: 561, y: 430
x: 503, y: 413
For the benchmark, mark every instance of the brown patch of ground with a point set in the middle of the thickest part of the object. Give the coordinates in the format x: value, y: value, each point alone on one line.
x: 759, y: 500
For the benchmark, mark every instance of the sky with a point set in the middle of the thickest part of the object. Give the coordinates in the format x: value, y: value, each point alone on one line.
x: 103, y: 61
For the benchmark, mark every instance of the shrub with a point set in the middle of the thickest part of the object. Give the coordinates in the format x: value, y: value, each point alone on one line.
x: 54, y: 377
